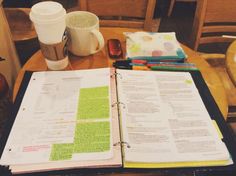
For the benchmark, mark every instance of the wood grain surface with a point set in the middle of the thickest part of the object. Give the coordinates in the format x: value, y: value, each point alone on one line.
x: 101, y: 60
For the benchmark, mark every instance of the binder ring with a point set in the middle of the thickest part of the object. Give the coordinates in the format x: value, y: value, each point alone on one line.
x: 116, y: 74
x: 118, y: 103
x: 122, y: 143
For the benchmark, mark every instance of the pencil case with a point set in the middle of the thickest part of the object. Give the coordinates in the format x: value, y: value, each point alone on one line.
x: 162, y: 47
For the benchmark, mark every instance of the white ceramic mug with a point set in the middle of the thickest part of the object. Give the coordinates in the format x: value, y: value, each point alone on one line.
x: 83, y: 33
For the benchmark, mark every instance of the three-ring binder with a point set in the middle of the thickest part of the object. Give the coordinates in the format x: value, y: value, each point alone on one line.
x: 122, y: 143
x: 116, y: 74
x: 118, y: 103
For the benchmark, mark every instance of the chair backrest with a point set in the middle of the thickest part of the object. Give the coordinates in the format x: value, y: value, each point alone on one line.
x: 230, y: 62
x: 9, y: 64
x: 172, y: 3
x: 21, y: 26
x: 120, y: 13
x: 213, y: 18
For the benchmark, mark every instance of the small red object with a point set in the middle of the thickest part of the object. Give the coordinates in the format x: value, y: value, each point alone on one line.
x: 114, y: 48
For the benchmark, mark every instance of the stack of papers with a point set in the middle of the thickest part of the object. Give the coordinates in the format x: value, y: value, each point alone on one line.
x: 64, y: 121
x: 72, y: 119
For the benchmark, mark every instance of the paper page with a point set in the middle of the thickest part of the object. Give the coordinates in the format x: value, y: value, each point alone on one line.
x: 164, y: 119
x: 64, y: 116
x: 115, y: 161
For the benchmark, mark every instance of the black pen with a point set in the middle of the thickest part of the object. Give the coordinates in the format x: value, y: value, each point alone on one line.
x: 123, y: 64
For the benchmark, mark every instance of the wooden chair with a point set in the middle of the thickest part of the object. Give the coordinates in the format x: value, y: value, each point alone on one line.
x: 230, y: 62
x: 5, y: 103
x: 22, y: 28
x: 172, y: 3
x: 225, y: 67
x: 119, y: 13
x: 230, y: 66
x: 9, y: 65
x: 213, y: 18
x: 23, y: 32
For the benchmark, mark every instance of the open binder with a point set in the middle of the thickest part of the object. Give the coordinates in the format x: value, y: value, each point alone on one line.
x: 105, y: 102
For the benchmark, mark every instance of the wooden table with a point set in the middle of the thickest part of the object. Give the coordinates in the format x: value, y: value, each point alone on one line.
x: 101, y: 59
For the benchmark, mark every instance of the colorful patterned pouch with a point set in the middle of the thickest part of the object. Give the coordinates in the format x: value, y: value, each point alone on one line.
x: 154, y: 46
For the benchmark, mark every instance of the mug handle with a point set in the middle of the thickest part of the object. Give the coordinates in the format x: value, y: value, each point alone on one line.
x: 100, y: 39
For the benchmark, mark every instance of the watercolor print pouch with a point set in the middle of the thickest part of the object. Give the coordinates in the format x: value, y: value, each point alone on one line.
x: 154, y: 46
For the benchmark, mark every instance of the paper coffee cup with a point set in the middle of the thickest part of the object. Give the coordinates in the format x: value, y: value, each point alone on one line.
x: 57, y: 65
x: 49, y: 21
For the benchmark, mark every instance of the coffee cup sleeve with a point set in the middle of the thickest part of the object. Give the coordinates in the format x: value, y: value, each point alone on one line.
x: 54, y: 52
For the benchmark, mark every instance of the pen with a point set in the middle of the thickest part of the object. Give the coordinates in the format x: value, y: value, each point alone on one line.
x: 160, y: 59
x: 139, y: 61
x: 123, y: 64
x: 130, y: 64
x: 126, y: 63
x: 140, y: 68
x: 172, y: 68
x: 170, y: 63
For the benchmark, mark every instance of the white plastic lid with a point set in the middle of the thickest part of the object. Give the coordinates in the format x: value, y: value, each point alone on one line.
x: 46, y: 11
